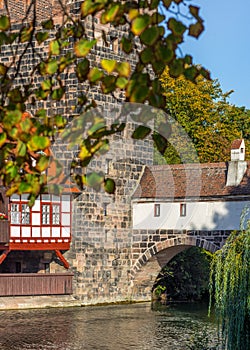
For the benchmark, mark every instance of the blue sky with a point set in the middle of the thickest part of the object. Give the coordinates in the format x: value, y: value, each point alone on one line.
x: 224, y: 47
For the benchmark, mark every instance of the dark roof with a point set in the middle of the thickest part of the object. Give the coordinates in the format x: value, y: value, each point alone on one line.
x: 189, y: 181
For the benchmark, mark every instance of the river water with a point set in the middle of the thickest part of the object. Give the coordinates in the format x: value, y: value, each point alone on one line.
x: 116, y: 327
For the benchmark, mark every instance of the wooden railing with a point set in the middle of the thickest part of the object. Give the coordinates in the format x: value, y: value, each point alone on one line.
x: 4, y: 231
x: 35, y: 284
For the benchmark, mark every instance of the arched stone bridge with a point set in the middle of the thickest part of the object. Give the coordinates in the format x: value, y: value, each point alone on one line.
x: 149, y: 264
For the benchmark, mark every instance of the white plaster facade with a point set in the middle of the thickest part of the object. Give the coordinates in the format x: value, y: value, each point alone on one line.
x: 200, y: 215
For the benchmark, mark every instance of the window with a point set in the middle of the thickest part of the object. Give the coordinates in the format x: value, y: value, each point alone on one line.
x: 15, y: 214
x: 157, y: 210
x: 25, y: 214
x: 55, y: 214
x: 50, y: 214
x: 45, y: 214
x: 183, y: 209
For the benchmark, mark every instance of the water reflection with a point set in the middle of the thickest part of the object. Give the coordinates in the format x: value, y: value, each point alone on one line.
x: 136, y: 326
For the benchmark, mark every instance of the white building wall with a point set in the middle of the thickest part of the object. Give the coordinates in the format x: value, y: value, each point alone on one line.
x: 217, y: 215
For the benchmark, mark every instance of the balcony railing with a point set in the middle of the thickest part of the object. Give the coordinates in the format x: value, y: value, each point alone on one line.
x: 4, y: 231
x: 35, y: 284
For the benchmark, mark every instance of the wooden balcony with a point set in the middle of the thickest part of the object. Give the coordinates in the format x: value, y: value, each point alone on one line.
x: 4, y: 231
x: 22, y: 284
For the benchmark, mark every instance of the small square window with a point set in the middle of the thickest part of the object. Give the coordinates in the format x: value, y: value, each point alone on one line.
x: 157, y: 210
x: 183, y: 209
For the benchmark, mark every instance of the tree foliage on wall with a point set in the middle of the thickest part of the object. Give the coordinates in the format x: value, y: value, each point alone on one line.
x: 153, y: 31
x: 202, y: 109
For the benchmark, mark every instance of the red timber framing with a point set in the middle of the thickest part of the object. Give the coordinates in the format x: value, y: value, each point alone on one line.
x: 45, y: 226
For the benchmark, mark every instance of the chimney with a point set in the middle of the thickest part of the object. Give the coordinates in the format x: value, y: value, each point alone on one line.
x: 237, y: 166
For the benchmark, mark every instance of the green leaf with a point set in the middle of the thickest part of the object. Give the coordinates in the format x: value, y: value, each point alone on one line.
x: 4, y: 23
x: 127, y: 45
x: 139, y: 24
x: 98, y: 127
x: 176, y: 68
x: 167, y: 3
x: 15, y: 95
x: 25, y: 187
x: 41, y: 37
x: 176, y: 27
x: 60, y: 121
x: 196, y: 29
x: 57, y: 94
x: 150, y: 36
x: 54, y: 47
x: 141, y: 132
x: 41, y: 94
x: 108, y: 84
x: 82, y: 69
x: 154, y: 4
x: 42, y: 163
x: 194, y: 10
x: 41, y: 113
x: 160, y: 142
x: 110, y: 14
x: 21, y: 149
x: 147, y: 55
x: 123, y: 69
x: 25, y: 34
x: 12, y: 118
x: 89, y: 6
x: 51, y: 67
x: 108, y: 65
x: 95, y: 75
x: 139, y: 94
x: 121, y: 82
x: 109, y: 186
x: 48, y: 24
x: 25, y: 125
x: 83, y: 46
x: 3, y: 69
x: 46, y: 84
x: 191, y: 73
x: 37, y: 143
x: 3, y: 138
x: 93, y: 180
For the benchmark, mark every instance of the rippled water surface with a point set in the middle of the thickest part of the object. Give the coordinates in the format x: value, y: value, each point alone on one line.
x: 119, y: 327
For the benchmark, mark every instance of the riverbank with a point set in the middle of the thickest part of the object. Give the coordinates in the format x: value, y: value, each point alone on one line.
x: 38, y: 302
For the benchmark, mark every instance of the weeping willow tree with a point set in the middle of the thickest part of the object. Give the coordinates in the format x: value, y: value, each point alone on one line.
x: 230, y: 290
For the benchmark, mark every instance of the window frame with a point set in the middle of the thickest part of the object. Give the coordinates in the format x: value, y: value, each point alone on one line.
x: 157, y: 210
x: 183, y: 209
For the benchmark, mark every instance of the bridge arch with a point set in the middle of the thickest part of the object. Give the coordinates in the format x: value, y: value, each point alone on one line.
x: 149, y: 264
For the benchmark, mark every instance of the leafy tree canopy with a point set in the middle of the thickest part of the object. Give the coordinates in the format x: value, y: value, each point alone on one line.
x: 153, y: 31
x: 201, y: 108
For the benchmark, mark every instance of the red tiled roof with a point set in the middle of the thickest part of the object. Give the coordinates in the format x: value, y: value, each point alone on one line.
x: 189, y: 181
x: 236, y: 144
